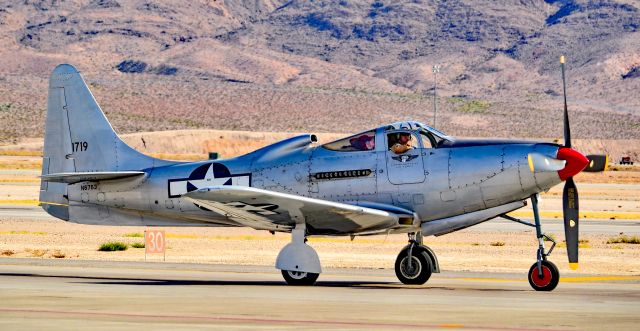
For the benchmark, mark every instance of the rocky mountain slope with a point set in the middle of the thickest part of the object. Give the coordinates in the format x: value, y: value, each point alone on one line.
x: 329, y: 66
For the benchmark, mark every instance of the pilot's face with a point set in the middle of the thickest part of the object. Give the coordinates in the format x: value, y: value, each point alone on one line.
x: 404, y: 139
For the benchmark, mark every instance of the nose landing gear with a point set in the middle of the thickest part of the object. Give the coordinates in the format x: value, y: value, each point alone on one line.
x: 543, y: 275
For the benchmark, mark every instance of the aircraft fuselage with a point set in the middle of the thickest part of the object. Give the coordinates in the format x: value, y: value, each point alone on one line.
x: 453, y: 179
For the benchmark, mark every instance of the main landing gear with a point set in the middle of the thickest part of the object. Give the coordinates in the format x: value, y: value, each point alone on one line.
x: 300, y: 265
x: 299, y: 262
x: 416, y: 262
x: 543, y: 275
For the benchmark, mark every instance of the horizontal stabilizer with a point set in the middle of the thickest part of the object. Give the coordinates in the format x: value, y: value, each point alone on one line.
x: 76, y: 177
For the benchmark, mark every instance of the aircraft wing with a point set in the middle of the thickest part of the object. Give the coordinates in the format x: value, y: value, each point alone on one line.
x: 268, y: 210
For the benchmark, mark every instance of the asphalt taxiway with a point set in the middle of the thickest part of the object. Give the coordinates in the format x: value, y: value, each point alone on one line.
x: 68, y: 294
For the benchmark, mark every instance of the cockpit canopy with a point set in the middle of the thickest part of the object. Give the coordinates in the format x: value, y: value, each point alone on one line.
x: 391, y: 133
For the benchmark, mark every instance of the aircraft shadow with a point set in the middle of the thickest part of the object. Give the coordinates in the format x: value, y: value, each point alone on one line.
x: 279, y: 283
x: 183, y: 282
x: 172, y: 282
x: 337, y: 284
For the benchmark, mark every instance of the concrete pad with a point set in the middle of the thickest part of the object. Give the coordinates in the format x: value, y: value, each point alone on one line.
x: 65, y: 294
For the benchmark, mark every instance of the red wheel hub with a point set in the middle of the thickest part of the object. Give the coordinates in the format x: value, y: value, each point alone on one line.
x: 541, y: 281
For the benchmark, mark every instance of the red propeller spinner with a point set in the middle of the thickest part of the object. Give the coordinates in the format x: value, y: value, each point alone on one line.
x: 576, y: 162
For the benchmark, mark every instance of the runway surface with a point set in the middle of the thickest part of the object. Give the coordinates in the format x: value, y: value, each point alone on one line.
x: 68, y: 294
x: 552, y: 225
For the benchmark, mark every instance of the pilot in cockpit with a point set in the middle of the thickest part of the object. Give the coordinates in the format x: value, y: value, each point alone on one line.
x: 402, y: 144
x: 364, y: 142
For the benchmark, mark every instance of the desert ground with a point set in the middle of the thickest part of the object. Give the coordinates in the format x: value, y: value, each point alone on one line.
x: 612, y: 196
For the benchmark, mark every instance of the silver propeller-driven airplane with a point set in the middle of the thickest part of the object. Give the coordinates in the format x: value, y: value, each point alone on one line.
x: 404, y: 177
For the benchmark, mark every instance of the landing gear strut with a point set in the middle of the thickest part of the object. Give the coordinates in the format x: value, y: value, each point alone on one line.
x: 416, y: 262
x: 543, y: 275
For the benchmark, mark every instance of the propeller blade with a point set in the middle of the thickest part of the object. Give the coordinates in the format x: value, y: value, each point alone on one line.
x: 543, y: 163
x: 570, y: 193
x: 571, y: 211
x: 567, y: 130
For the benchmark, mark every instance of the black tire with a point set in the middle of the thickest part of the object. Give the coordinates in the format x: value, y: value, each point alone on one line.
x: 550, y: 279
x: 421, y: 268
x: 299, y: 278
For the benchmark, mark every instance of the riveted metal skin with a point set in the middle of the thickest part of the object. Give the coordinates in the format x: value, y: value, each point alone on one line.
x: 456, y: 181
x: 346, y: 192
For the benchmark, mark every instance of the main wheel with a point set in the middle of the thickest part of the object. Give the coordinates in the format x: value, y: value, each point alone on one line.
x: 414, y: 271
x: 550, y: 276
x: 299, y: 277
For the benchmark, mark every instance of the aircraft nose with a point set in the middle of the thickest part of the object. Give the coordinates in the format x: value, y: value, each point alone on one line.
x: 576, y: 162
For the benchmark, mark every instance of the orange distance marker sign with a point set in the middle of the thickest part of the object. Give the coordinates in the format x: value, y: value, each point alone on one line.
x: 154, y: 242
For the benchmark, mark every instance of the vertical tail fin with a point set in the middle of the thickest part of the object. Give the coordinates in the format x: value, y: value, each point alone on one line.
x: 79, y: 138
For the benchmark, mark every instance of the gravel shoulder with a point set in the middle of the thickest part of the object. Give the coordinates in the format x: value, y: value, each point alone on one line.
x: 466, y: 250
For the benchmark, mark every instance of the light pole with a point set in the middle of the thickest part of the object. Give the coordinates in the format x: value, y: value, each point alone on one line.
x: 436, y: 70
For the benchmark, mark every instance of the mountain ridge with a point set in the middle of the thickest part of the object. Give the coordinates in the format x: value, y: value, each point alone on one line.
x: 333, y: 66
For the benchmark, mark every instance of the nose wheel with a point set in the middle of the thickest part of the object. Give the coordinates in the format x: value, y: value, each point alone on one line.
x: 544, y: 277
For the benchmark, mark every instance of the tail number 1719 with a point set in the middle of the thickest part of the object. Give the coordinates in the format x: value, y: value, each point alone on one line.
x: 79, y: 146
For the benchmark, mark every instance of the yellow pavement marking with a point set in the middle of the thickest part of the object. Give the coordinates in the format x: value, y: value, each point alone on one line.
x: 586, y: 279
x: 20, y: 180
x: 29, y: 202
x: 20, y: 202
x: 619, y: 215
x: 19, y: 152
x: 581, y: 279
x: 451, y: 326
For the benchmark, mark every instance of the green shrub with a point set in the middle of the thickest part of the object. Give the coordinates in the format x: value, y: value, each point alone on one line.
x: 137, y: 245
x: 469, y: 106
x: 624, y: 239
x: 113, y: 246
x: 134, y: 235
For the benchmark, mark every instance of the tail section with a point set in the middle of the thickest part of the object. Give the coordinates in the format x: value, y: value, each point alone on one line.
x: 79, y: 138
